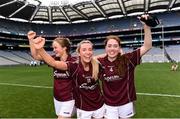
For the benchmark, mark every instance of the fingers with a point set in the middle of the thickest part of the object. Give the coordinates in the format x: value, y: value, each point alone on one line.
x: 139, y: 17
x: 145, y: 16
x: 38, y: 40
x: 31, y: 35
x: 121, y: 51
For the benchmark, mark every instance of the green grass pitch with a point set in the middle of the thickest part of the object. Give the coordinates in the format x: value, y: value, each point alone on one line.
x: 26, y: 92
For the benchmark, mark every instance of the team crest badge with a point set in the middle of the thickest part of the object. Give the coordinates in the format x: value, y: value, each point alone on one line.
x: 111, y: 68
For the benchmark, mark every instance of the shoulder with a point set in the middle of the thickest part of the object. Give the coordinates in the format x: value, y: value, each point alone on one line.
x: 102, y: 60
x: 132, y: 53
x: 72, y: 58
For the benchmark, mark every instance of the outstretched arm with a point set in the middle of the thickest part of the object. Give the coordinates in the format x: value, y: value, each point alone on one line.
x: 31, y: 35
x: 147, y: 39
x: 38, y: 45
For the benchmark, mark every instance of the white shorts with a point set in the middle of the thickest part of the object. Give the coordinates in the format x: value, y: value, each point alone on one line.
x: 64, y: 108
x: 123, y: 111
x: 99, y: 113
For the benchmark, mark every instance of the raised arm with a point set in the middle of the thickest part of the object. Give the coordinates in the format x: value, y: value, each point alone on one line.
x: 31, y: 35
x: 147, y: 39
x: 38, y: 45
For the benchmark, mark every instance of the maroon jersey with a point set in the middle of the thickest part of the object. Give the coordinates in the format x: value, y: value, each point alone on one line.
x: 117, y: 89
x: 63, y: 85
x: 87, y: 91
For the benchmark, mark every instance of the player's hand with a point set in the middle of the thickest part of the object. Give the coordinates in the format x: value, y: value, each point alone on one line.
x: 38, y: 42
x: 31, y: 35
x: 121, y: 51
x: 151, y: 21
x: 143, y: 18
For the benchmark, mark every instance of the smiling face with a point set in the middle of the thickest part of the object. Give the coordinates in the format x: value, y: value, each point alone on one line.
x: 112, y: 47
x: 58, y: 49
x: 86, y: 52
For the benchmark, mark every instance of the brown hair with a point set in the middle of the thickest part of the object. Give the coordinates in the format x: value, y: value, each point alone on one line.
x: 95, y: 64
x: 122, y: 59
x: 112, y: 37
x: 64, y: 42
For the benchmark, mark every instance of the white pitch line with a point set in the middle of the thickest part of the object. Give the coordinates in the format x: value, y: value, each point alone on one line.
x: 160, y: 95
x: 146, y: 94
x: 23, y: 85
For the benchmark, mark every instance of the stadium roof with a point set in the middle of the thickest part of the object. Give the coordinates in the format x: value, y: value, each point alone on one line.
x: 72, y: 11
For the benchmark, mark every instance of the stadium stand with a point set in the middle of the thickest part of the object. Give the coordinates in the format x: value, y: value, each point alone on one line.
x: 127, y: 27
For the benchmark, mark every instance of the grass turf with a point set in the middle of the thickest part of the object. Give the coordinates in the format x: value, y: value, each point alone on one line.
x: 26, y: 101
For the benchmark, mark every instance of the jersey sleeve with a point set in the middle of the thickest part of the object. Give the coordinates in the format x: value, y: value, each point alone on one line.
x: 134, y: 57
x: 72, y: 67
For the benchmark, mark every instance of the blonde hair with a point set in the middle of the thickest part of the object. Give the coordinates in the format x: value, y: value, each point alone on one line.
x: 95, y: 64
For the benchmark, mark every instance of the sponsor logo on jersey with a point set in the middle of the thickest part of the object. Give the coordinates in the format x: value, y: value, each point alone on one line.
x: 88, y: 87
x: 112, y: 78
x: 61, y: 74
